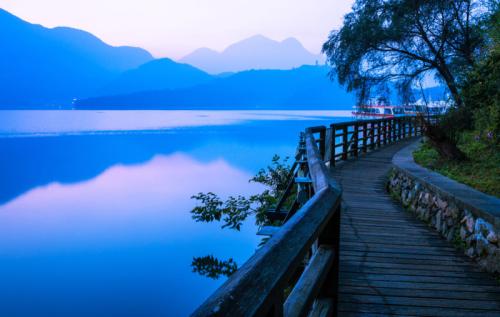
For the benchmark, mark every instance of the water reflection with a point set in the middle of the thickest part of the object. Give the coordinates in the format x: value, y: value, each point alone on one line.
x: 137, y: 238
x: 99, y: 224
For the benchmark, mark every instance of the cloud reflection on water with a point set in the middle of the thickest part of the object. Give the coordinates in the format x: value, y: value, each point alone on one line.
x: 58, y: 236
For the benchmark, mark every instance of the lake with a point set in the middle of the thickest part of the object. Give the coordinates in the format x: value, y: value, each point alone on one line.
x: 94, y: 205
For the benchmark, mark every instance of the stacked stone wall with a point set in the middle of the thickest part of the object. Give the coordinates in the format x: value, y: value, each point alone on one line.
x: 476, y: 236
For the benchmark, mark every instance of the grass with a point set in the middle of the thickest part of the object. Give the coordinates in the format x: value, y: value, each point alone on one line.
x: 481, y: 171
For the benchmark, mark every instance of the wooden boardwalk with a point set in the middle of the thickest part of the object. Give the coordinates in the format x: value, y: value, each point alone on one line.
x: 393, y: 264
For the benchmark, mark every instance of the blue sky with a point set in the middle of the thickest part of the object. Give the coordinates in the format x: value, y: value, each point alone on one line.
x: 174, y: 28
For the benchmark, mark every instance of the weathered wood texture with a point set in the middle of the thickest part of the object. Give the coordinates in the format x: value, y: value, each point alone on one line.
x: 393, y: 264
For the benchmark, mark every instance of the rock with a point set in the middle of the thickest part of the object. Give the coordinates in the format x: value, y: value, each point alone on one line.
x: 483, y: 227
x: 441, y: 204
x: 438, y: 221
x: 492, y: 237
x: 463, y: 233
x: 469, y: 223
x: 453, y: 211
x: 450, y: 222
x: 490, y: 249
x: 481, y: 244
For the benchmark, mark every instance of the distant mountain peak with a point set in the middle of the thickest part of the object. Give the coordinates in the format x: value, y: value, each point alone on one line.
x: 52, y: 66
x: 255, y: 52
x: 158, y: 74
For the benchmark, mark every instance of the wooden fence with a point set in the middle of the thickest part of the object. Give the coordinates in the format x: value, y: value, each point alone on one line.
x: 295, y: 273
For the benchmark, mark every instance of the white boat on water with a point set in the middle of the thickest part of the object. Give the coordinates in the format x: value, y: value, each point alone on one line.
x: 377, y: 111
x: 428, y: 108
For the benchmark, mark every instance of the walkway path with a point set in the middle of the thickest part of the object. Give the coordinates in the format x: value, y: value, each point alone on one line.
x: 393, y: 264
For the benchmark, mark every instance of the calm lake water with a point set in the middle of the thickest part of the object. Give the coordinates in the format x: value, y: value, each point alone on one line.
x: 94, y: 206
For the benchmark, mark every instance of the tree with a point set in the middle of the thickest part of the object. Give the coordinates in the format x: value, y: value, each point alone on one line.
x: 481, y: 91
x: 404, y: 40
x: 212, y: 267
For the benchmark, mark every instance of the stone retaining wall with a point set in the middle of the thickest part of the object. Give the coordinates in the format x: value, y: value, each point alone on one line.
x: 470, y: 229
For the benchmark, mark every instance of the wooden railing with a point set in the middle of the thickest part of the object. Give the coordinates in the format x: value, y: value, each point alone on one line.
x: 349, y: 139
x: 296, y: 272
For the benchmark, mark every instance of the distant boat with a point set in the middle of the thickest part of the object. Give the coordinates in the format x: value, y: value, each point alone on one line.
x: 377, y: 111
x: 429, y: 108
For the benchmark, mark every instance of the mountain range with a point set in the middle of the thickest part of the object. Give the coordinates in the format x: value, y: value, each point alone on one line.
x: 53, y: 67
x: 303, y: 87
x: 256, y: 52
x: 158, y: 74
x: 42, y: 66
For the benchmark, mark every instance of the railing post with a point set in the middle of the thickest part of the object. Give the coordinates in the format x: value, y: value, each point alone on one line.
x: 385, y: 131
x: 372, y: 136
x: 399, y: 129
x: 393, y: 130
x: 378, y: 134
x: 322, y: 143
x: 345, y: 145
x: 410, y: 127
x: 365, y: 135
x: 331, y: 236
x: 356, y: 139
x: 332, y: 144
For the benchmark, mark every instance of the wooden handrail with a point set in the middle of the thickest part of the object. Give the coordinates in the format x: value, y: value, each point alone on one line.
x: 349, y: 139
x: 257, y: 288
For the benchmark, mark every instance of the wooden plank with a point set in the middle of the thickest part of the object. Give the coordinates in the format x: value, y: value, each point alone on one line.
x: 420, y: 293
x: 422, y: 302
x: 302, y: 296
x: 446, y: 261
x: 480, y: 289
x: 323, y: 307
x: 412, y: 310
x: 268, y: 231
x: 419, y: 279
x: 361, y: 269
x: 466, y: 267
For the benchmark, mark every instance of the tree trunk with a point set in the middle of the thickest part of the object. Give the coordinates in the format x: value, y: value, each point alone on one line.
x: 452, y: 86
x: 441, y: 142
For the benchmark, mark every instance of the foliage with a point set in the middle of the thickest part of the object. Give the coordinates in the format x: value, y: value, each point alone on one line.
x: 481, y: 171
x: 212, y: 267
x: 481, y: 91
x: 234, y: 210
x: 402, y: 41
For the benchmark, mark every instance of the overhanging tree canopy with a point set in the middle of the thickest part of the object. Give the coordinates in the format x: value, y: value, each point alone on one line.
x: 401, y: 41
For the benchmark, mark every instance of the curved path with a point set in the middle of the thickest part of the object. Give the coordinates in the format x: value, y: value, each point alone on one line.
x: 394, y: 264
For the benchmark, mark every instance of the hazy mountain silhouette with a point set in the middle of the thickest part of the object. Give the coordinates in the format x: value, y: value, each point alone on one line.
x: 42, y: 66
x: 257, y: 52
x: 156, y: 75
x: 305, y: 87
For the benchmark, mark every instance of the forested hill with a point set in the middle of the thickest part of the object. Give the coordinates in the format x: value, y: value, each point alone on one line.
x: 43, y: 66
x: 306, y: 86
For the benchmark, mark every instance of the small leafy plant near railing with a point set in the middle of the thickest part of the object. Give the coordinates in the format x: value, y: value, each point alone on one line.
x: 234, y: 210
